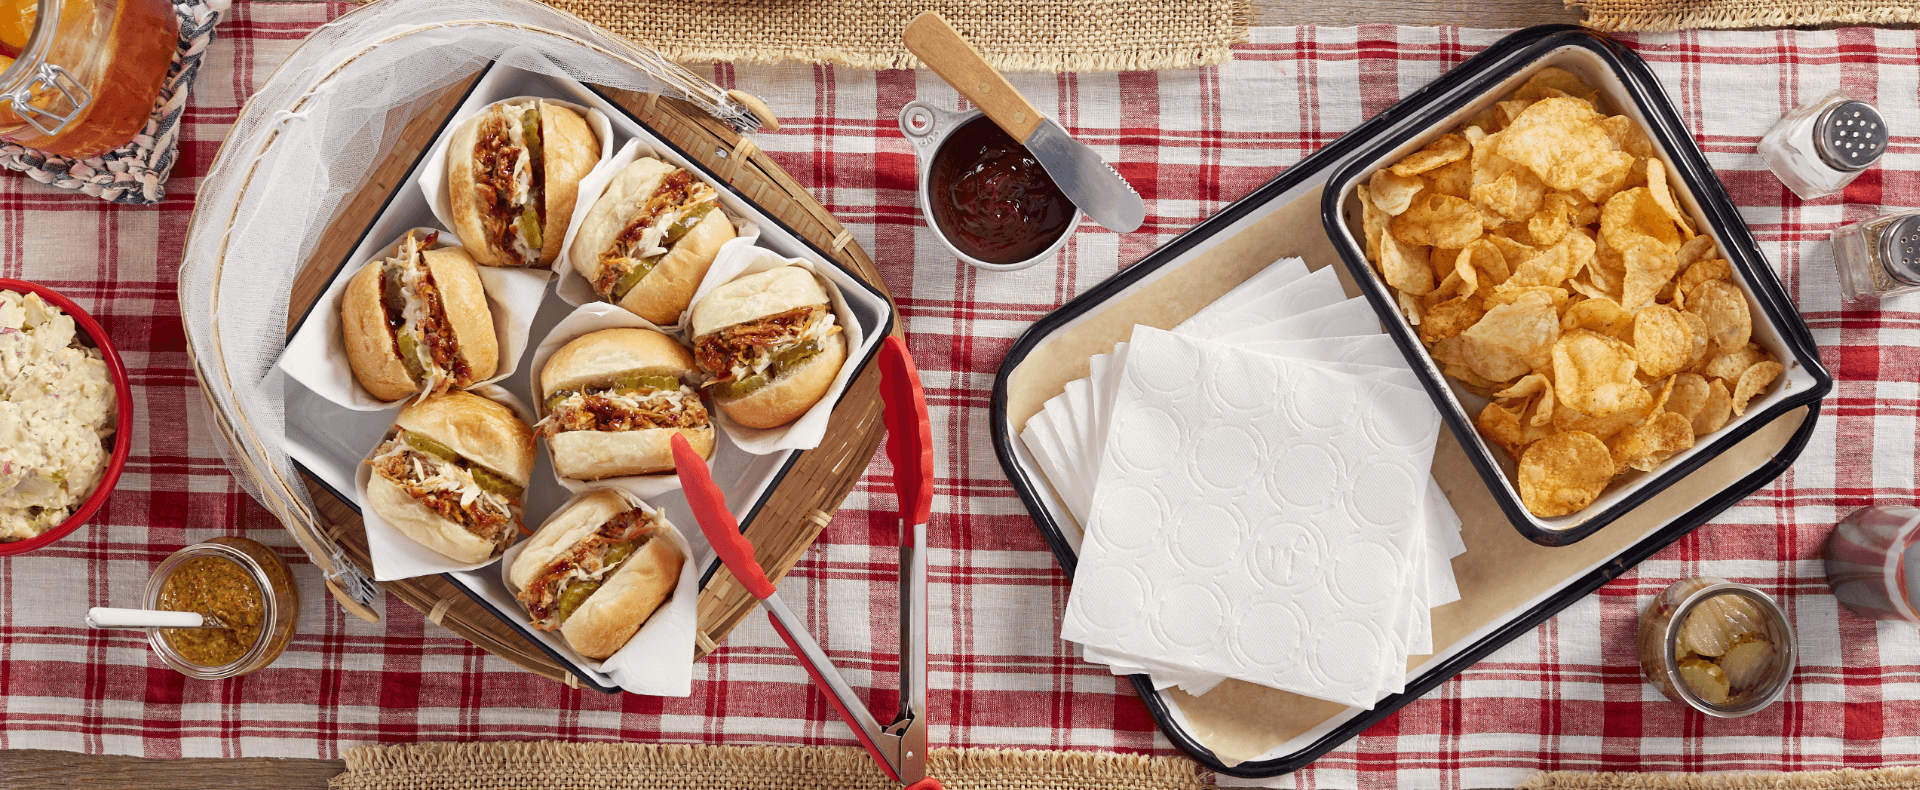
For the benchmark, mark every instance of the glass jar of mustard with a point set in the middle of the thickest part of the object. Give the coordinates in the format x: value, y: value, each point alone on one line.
x: 245, y: 584
x: 79, y: 77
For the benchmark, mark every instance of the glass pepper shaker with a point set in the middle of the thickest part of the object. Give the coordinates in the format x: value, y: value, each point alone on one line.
x: 1879, y: 256
x: 1821, y: 147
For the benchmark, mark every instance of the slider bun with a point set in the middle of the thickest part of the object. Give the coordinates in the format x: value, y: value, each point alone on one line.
x: 784, y: 399
x: 594, y: 357
x: 370, y: 346
x: 625, y: 195
x: 424, y: 526
x: 668, y: 289
x: 595, y: 455
x: 626, y: 599
x: 485, y: 432
x: 561, y: 532
x: 756, y: 295
x: 571, y: 149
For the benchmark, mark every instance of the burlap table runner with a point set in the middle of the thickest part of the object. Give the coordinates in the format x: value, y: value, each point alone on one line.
x: 551, y: 765
x: 1015, y: 35
x: 1846, y: 779
x: 1665, y: 15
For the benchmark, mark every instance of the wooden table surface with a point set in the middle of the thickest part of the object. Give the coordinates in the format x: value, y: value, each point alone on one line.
x: 23, y: 769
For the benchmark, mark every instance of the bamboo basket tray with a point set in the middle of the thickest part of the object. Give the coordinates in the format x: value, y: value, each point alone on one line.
x: 795, y: 510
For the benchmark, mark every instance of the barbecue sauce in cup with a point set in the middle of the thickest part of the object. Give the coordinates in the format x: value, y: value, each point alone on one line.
x: 992, y: 199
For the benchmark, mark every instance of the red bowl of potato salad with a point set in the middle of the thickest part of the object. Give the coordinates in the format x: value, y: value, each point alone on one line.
x: 65, y: 429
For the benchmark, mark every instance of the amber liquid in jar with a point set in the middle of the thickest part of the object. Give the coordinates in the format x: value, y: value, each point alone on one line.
x: 119, y: 50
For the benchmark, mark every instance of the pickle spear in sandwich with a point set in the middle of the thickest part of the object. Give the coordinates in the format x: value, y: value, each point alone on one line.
x: 650, y: 238
x: 418, y: 320
x: 453, y: 475
x: 614, y: 400
x: 513, y: 172
x: 770, y: 345
x: 597, y: 571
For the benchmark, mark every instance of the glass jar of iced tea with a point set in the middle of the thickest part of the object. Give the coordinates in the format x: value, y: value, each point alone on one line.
x: 79, y: 77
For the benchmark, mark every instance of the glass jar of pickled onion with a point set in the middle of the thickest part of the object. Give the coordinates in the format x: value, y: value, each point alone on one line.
x: 79, y: 77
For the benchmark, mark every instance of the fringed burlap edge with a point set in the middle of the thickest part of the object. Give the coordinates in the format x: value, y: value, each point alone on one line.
x: 1845, y: 779
x: 634, y: 765
x: 1656, y: 17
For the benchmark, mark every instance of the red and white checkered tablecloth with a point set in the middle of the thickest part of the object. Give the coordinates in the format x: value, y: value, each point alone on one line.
x: 1568, y: 696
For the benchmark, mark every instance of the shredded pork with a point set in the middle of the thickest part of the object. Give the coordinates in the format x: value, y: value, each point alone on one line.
x: 446, y: 489
x: 748, y: 348
x: 585, y: 562
x: 505, y: 181
x: 625, y: 410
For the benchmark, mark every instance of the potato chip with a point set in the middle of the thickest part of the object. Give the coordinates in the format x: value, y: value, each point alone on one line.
x: 1554, y: 218
x: 1647, y: 445
x: 1373, y: 222
x: 1501, y: 425
x: 1689, y: 395
x: 1628, y: 136
x: 1753, y: 382
x: 1649, y: 266
x: 1454, y: 179
x: 1405, y: 266
x: 1394, y: 193
x: 1563, y: 472
x: 1512, y: 339
x: 1600, y: 315
x: 1450, y: 318
x: 1482, y: 265
x: 1446, y: 149
x: 1514, y: 196
x: 1701, y: 342
x: 1700, y: 272
x: 1713, y: 415
x: 1450, y: 287
x: 1634, y: 212
x: 1555, y: 264
x: 1438, y: 221
x: 1593, y: 373
x: 1724, y: 308
x: 1510, y: 109
x: 1552, y: 81
x: 1662, y: 341
x: 1729, y: 365
x: 1662, y: 194
x: 1664, y: 390
x: 1698, y: 248
x: 1561, y: 141
x: 1410, y: 307
x: 1559, y: 297
x: 1568, y: 419
x: 1535, y: 385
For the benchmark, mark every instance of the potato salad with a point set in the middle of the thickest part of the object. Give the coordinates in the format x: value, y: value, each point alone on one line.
x: 56, y: 411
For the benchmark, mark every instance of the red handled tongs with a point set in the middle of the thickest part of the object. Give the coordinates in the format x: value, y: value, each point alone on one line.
x: 899, y: 747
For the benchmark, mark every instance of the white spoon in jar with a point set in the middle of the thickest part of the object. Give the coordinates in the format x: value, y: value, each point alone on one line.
x: 105, y: 617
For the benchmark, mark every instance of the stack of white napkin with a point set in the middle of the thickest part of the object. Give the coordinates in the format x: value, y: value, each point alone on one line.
x: 1255, y: 487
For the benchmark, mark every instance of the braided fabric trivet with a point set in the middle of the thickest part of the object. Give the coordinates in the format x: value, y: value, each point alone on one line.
x: 135, y: 172
x: 1667, y: 15
x: 552, y: 765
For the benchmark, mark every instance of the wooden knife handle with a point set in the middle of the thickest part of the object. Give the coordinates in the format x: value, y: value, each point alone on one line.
x: 931, y: 39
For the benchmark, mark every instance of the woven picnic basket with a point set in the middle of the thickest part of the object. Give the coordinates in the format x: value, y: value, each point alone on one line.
x: 704, y: 125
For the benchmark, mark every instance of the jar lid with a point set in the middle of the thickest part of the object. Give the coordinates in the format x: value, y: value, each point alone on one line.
x: 1900, y: 249
x: 1850, y: 135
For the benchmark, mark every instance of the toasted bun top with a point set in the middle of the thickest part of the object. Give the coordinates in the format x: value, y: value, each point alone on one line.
x: 626, y: 194
x: 757, y: 296
x: 485, y: 432
x: 593, y: 357
x: 464, y: 299
x: 564, y: 531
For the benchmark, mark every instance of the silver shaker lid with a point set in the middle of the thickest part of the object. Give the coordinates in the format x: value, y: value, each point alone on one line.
x: 1850, y: 135
x: 1900, y: 248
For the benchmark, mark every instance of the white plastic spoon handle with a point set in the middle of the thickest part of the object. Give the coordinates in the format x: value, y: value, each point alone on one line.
x: 103, y: 617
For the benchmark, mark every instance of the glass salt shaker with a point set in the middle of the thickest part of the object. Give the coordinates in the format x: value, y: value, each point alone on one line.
x: 1821, y: 147
x: 1879, y: 256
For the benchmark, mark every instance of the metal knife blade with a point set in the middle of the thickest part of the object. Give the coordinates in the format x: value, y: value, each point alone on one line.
x: 1087, y: 180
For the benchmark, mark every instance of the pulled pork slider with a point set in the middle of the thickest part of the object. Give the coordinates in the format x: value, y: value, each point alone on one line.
x: 650, y: 238
x: 770, y: 344
x: 453, y: 475
x: 596, y: 572
x: 614, y: 400
x: 418, y: 319
x: 513, y: 172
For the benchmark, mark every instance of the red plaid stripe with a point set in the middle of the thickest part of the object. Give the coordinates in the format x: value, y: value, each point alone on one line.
x: 1567, y: 696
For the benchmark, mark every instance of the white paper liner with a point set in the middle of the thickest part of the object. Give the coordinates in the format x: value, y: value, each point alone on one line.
x: 573, y: 287
x: 586, y: 319
x: 805, y: 432
x: 433, y: 172
x: 658, y: 660
x: 396, y: 556
x: 317, y: 354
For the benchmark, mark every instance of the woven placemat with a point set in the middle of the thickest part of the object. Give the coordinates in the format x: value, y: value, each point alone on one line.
x: 1845, y: 779
x: 552, y: 765
x: 1667, y: 15
x: 1014, y: 35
